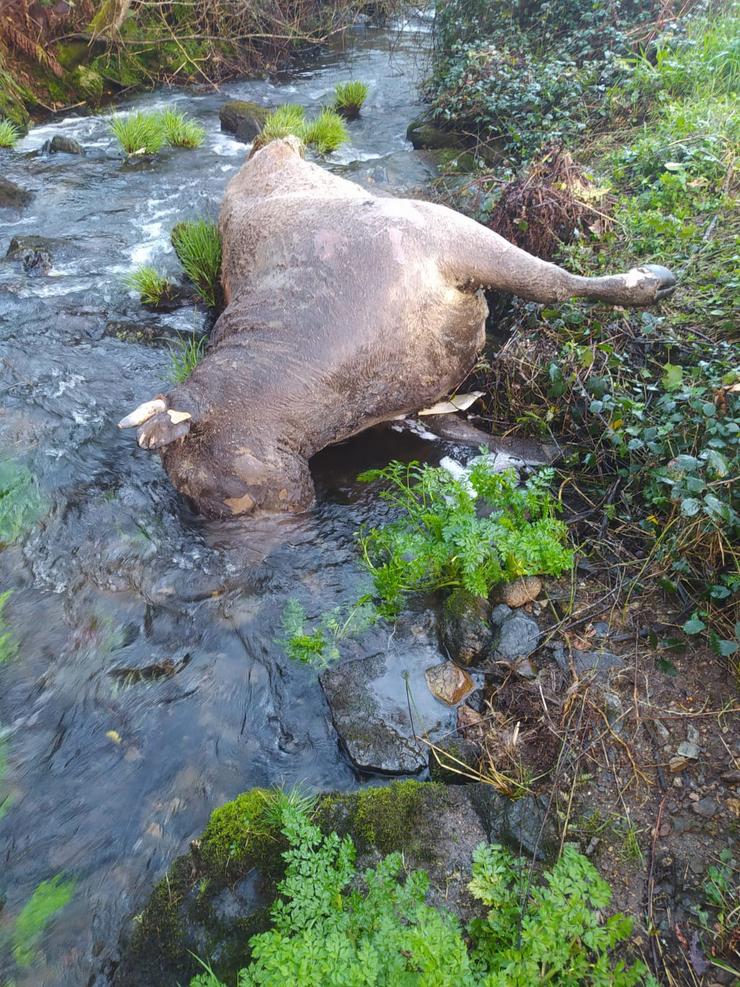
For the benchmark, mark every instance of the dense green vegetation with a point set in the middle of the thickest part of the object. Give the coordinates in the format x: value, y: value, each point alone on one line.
x: 449, y: 533
x: 48, y: 898
x: 8, y: 644
x: 21, y: 504
x: 442, y: 541
x: 650, y: 399
x: 335, y: 926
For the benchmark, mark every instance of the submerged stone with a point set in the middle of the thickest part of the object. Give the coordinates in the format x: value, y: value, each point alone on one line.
x: 424, y: 133
x: 12, y: 196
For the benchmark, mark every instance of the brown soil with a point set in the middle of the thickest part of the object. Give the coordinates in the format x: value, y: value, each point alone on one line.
x: 606, y: 748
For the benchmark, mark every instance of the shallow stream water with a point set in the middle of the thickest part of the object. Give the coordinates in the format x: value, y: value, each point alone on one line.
x: 106, y: 774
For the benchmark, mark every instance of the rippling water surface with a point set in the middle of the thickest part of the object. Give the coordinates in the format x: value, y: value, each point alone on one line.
x: 105, y: 774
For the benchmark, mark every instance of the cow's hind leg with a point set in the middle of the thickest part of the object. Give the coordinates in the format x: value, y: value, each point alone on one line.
x: 479, y: 258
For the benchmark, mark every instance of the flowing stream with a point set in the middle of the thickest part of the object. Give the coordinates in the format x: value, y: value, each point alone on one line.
x: 148, y: 687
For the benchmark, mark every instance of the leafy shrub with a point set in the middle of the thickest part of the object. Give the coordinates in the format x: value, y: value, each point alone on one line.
x: 153, y: 287
x: 9, y: 134
x: 198, y: 247
x: 326, y: 132
x: 185, y: 358
x: 21, y: 504
x: 526, y: 74
x: 333, y: 927
x: 349, y: 97
x: 48, y: 898
x: 139, y: 133
x: 455, y: 533
x: 180, y: 131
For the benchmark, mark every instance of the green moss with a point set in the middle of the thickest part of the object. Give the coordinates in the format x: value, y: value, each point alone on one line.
x: 387, y: 819
x: 240, y: 831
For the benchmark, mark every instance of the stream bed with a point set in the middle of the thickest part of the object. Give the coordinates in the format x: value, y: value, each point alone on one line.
x: 148, y: 684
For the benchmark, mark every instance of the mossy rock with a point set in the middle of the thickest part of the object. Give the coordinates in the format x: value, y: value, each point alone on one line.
x: 217, y: 896
x: 424, y: 133
x: 243, y: 118
x: 465, y: 628
x: 212, y: 900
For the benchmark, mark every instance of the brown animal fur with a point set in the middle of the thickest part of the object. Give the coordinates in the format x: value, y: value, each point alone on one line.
x: 343, y: 310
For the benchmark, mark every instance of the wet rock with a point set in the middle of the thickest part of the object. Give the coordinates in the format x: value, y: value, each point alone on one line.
x: 59, y: 144
x: 424, y: 133
x: 215, y: 898
x: 521, y: 591
x: 518, y: 635
x: 12, y: 196
x: 35, y: 253
x: 243, y: 118
x: 454, y: 761
x: 449, y: 683
x: 371, y: 711
x: 465, y: 629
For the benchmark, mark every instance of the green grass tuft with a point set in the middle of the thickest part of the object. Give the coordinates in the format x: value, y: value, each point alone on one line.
x: 180, y: 131
x: 283, y: 122
x: 349, y: 97
x: 186, y: 358
x: 21, y: 504
x: 152, y: 286
x: 327, y: 132
x: 48, y: 898
x: 140, y: 133
x: 198, y: 247
x: 8, y: 643
x: 9, y: 134
x: 147, y: 133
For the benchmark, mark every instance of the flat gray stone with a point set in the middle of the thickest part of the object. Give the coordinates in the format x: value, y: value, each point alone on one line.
x: 381, y: 704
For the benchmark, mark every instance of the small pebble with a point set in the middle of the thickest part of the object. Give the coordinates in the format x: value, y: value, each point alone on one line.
x: 688, y: 749
x: 706, y: 807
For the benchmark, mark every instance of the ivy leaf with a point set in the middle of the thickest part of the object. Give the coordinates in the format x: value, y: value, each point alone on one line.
x: 723, y: 647
x: 690, y: 506
x: 694, y: 625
